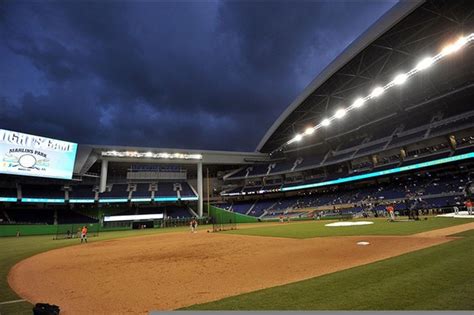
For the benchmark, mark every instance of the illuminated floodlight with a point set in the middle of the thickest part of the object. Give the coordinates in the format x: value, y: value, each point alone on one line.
x: 454, y: 47
x: 298, y: 137
x: 135, y: 154
x: 461, y: 42
x: 358, y: 102
x: 400, y: 79
x: 377, y: 91
x: 309, y: 130
x: 340, y: 113
x: 425, y: 63
x: 449, y: 49
x: 325, y: 122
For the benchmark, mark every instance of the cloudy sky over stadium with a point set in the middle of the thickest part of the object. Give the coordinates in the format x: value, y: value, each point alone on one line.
x: 210, y: 75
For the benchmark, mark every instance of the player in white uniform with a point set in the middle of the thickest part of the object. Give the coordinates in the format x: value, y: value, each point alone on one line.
x: 193, y: 224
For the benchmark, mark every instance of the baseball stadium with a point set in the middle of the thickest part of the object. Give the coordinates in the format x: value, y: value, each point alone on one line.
x: 358, y: 197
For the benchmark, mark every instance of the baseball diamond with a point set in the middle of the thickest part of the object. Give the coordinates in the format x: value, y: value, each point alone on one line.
x: 151, y: 158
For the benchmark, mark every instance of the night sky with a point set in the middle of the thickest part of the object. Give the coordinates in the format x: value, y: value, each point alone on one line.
x: 197, y: 75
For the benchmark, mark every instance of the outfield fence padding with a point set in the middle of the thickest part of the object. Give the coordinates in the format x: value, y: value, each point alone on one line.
x: 59, y: 230
x: 227, y: 220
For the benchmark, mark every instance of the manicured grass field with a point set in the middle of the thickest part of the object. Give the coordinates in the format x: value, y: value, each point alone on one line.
x: 433, y: 264
x: 15, y: 249
x: 436, y: 278
x: 311, y: 229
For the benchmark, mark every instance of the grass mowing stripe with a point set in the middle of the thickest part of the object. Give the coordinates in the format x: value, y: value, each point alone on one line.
x: 436, y: 278
x: 380, y: 227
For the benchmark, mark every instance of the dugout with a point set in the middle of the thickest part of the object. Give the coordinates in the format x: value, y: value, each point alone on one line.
x: 139, y: 225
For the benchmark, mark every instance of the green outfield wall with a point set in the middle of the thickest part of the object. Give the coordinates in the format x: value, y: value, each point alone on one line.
x: 226, y: 216
x: 51, y: 229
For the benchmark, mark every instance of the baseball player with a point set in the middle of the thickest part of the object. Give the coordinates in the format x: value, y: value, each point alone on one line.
x: 469, y: 206
x: 456, y: 210
x: 84, y: 234
x: 193, y: 224
x: 391, y: 212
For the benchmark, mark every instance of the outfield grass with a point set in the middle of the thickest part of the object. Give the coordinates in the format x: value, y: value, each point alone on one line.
x: 311, y: 229
x: 15, y: 249
x: 436, y: 278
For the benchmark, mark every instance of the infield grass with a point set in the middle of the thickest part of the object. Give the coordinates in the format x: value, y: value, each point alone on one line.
x: 309, y: 229
x: 435, y: 278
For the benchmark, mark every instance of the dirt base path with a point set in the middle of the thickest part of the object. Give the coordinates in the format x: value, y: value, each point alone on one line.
x: 447, y: 231
x: 169, y: 271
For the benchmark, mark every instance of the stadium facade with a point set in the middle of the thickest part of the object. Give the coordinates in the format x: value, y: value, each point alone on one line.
x: 394, y: 105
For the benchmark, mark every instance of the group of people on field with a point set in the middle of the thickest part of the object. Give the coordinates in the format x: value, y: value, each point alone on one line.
x: 468, y: 203
x: 413, y: 213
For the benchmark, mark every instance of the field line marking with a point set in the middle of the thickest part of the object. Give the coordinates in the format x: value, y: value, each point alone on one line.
x: 11, y: 302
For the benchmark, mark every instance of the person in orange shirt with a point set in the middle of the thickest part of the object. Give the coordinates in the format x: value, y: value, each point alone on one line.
x: 469, y: 206
x: 84, y: 234
x: 391, y: 212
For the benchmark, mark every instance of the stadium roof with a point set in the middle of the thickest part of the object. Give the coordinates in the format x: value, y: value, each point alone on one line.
x: 87, y: 155
x: 399, y: 39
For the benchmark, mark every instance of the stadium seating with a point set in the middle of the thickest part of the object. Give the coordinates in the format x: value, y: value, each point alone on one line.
x: 186, y: 190
x: 251, y: 189
x: 8, y: 192
x: 176, y: 211
x: 165, y: 189
x: 81, y: 192
x: 451, y: 124
x: 260, y: 207
x: 411, y: 131
x: 242, y: 207
x: 271, y: 187
x: 259, y: 169
x: 42, y: 191
x: 311, y: 160
x: 26, y: 216
x: 142, y: 191
x: 67, y: 216
x: 117, y: 191
x: 283, y: 166
x: 410, y: 137
x: 434, y: 191
x: 371, y: 148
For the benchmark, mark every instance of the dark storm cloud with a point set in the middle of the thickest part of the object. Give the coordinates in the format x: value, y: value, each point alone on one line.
x: 211, y: 75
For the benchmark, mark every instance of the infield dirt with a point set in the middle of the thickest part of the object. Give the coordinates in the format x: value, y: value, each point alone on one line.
x: 170, y: 271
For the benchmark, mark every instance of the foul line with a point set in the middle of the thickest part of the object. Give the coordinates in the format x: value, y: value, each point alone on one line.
x: 11, y: 302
